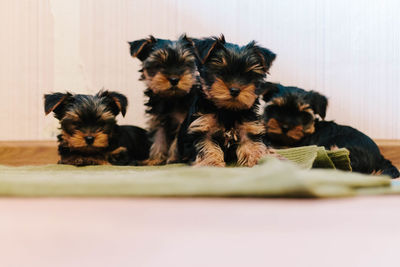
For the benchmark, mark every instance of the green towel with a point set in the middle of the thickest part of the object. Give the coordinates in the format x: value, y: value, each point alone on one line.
x: 308, y: 157
x: 271, y: 178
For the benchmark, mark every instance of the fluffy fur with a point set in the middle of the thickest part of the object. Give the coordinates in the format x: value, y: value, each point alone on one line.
x: 222, y: 125
x: 292, y: 119
x: 169, y: 70
x: 89, y: 131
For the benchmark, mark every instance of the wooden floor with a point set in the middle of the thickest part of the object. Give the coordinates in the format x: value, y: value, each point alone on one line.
x: 391, y: 150
x: 45, y: 152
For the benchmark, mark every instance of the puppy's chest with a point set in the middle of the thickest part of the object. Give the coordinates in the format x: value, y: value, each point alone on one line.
x: 230, y: 137
x: 228, y: 134
x: 176, y: 116
x: 229, y: 131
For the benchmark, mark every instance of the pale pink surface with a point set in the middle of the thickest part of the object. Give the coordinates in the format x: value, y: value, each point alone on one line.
x: 199, y: 232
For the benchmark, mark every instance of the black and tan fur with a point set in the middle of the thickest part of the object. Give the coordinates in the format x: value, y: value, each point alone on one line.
x: 293, y: 118
x: 89, y: 131
x: 223, y: 126
x: 170, y: 73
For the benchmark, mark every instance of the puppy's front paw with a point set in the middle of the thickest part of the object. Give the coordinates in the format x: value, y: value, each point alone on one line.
x: 209, y: 162
x: 153, y: 162
x: 119, y: 156
x: 250, y: 153
x: 172, y: 160
x: 209, y: 154
x: 82, y: 161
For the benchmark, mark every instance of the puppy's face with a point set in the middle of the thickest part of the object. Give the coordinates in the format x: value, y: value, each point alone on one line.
x: 169, y: 67
x: 291, y: 117
x: 87, y: 121
x: 232, y: 74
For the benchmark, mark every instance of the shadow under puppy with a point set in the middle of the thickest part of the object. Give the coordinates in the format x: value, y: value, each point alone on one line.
x: 291, y: 119
x: 169, y: 71
x: 89, y: 131
x: 223, y: 125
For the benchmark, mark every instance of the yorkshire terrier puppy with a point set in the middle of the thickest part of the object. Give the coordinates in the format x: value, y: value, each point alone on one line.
x: 89, y: 131
x: 292, y: 118
x: 169, y: 71
x: 223, y: 125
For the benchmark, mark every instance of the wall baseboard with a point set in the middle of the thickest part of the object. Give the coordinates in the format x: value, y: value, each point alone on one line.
x: 18, y: 153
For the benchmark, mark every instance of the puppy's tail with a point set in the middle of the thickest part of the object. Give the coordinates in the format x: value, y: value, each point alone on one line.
x: 388, y: 168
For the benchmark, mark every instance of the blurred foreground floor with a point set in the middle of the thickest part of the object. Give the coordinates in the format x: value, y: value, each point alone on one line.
x: 199, y: 232
x: 194, y: 232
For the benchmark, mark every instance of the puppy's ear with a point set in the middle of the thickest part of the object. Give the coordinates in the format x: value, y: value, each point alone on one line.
x: 142, y: 48
x: 318, y: 103
x: 206, y: 46
x: 267, y: 90
x: 56, y: 103
x: 267, y: 57
x: 187, y: 40
x: 116, y: 101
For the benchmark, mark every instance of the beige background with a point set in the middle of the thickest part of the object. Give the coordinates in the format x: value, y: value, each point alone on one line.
x: 349, y: 50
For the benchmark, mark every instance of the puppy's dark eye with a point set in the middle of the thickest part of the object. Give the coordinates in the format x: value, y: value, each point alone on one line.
x: 100, y: 124
x: 271, y: 111
x: 77, y: 124
x: 219, y: 61
x: 189, y: 65
x: 152, y: 69
x: 70, y: 123
x: 306, y: 118
x: 256, y: 70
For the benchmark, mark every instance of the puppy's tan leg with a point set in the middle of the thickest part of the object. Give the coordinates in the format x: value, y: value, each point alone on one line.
x: 173, y: 156
x: 209, y: 154
x: 249, y: 151
x: 159, y: 149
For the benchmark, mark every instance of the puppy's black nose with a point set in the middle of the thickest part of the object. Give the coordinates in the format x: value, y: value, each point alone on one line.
x: 284, y: 128
x: 174, y: 81
x: 234, y: 91
x: 89, y: 140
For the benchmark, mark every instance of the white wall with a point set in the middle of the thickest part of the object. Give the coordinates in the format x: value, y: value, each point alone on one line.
x: 349, y: 50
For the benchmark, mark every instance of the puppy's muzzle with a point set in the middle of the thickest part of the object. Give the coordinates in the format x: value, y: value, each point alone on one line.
x: 173, y: 81
x: 285, y: 128
x: 234, y: 91
x: 89, y: 140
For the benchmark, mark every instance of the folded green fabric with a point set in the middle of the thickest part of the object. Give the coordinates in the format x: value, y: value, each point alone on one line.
x: 308, y: 157
x: 271, y: 178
